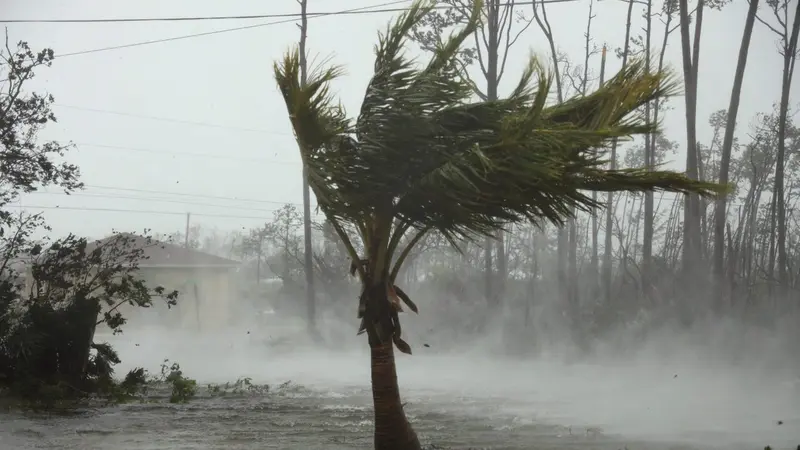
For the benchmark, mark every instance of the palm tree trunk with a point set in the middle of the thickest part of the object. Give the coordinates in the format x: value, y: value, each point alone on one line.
x: 392, y: 430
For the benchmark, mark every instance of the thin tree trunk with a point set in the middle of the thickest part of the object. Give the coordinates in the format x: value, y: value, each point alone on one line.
x: 562, y: 237
x: 574, y: 291
x: 691, y: 246
x: 725, y: 160
x: 789, y: 54
x: 492, y: 81
x: 607, y: 272
x: 488, y: 275
x: 773, y: 225
x: 649, y: 161
x: 670, y: 12
x: 572, y: 277
x: 595, y: 226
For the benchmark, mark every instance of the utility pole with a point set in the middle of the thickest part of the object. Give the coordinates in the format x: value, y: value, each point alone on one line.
x: 186, y: 233
x: 308, y: 260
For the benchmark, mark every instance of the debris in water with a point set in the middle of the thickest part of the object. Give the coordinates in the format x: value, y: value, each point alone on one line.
x: 594, y: 431
x: 426, y: 345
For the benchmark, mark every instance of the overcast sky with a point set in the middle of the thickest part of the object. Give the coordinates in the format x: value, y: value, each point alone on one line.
x: 137, y: 114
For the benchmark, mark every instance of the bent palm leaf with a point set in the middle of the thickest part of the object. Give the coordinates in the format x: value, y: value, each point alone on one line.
x: 423, y: 155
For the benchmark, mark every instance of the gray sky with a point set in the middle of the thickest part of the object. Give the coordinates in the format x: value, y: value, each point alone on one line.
x: 226, y: 80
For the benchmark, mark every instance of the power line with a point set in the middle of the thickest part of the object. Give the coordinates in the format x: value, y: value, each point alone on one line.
x: 138, y: 211
x: 152, y: 199
x: 191, y: 154
x: 168, y: 119
x: 209, y: 33
x: 293, y: 16
x: 361, y: 10
x: 148, y: 191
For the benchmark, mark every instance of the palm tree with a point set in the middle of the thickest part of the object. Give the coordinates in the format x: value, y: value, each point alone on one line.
x: 422, y: 157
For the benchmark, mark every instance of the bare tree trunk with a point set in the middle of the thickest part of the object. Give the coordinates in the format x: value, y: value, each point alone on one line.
x: 308, y: 260
x: 725, y: 160
x: 572, y: 277
x: 670, y: 13
x: 649, y: 161
x: 572, y: 281
x: 492, y: 81
x: 607, y: 272
x: 494, y: 34
x: 488, y: 267
x: 563, y: 238
x: 789, y: 55
x: 691, y: 228
x: 595, y: 226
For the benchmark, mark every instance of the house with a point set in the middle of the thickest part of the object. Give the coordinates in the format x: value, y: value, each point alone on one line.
x: 204, y: 281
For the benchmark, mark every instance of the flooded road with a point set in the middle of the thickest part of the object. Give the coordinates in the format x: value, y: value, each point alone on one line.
x: 293, y: 418
x: 454, y: 402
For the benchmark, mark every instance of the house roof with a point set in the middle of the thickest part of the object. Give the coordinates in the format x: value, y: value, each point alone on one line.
x: 164, y: 254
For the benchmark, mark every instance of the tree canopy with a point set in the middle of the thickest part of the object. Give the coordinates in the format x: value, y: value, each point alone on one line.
x: 424, y: 155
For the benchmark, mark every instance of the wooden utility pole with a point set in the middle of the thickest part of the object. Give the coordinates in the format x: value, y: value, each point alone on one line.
x: 186, y: 233
x: 308, y: 262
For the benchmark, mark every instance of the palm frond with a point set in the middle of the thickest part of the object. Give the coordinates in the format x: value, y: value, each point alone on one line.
x: 399, y: 100
x: 324, y: 136
x: 422, y: 152
x: 515, y: 159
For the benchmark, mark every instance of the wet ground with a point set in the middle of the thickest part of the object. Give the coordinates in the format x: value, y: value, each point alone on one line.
x: 294, y: 418
x: 454, y: 402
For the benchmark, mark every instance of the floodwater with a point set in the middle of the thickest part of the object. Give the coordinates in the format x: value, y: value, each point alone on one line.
x: 453, y: 401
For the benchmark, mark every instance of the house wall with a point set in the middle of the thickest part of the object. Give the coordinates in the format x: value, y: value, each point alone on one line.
x: 205, y: 299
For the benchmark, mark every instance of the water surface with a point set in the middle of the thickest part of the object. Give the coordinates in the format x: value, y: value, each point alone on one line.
x: 455, y: 401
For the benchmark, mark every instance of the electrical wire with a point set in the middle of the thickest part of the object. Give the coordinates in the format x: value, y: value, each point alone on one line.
x: 168, y: 119
x: 81, y: 145
x: 137, y: 211
x: 293, y: 16
x: 153, y: 199
x: 181, y: 194
x: 214, y: 32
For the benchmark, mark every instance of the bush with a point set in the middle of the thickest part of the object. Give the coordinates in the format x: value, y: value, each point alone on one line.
x: 183, y: 388
x: 52, y: 293
x: 47, y: 323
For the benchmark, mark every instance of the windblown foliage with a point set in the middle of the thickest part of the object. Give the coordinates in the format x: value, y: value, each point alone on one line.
x: 52, y: 292
x: 423, y: 155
